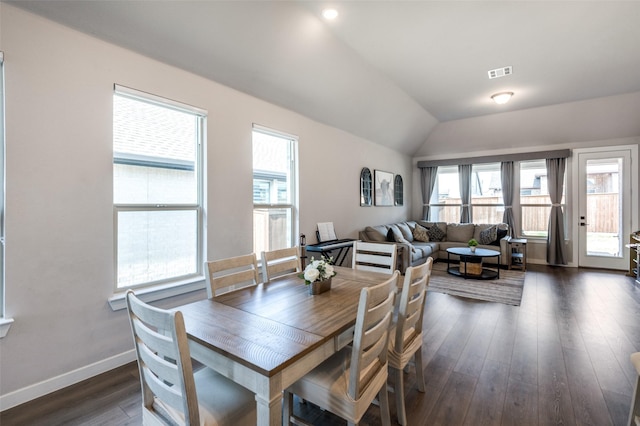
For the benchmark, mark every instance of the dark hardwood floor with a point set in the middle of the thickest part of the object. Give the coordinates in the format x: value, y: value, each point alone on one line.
x: 561, y: 358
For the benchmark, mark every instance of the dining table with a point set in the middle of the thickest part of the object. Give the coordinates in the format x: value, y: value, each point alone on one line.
x: 267, y: 336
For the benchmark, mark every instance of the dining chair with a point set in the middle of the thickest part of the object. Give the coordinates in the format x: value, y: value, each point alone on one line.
x: 280, y: 262
x: 231, y: 272
x: 347, y: 382
x: 171, y: 392
x: 634, y: 413
x: 405, y: 339
x: 377, y: 257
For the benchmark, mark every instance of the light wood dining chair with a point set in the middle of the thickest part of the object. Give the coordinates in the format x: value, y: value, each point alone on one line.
x: 405, y: 340
x: 231, y: 273
x: 634, y: 413
x: 171, y: 392
x: 347, y: 383
x: 280, y: 262
x: 377, y: 257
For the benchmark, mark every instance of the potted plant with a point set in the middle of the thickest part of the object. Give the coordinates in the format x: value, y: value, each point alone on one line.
x: 473, y: 243
x: 317, y: 275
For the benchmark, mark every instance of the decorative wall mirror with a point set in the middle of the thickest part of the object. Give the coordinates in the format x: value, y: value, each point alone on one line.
x: 366, y: 187
x: 398, y: 191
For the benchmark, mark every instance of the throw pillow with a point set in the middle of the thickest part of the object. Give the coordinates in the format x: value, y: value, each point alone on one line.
x: 489, y: 235
x: 390, y: 236
x: 420, y: 233
x: 501, y: 234
x: 435, y: 233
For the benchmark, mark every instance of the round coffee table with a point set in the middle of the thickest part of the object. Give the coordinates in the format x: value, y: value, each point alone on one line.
x: 467, y: 258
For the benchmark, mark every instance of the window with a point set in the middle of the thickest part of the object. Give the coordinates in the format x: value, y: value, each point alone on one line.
x: 445, y: 201
x: 486, y: 193
x: 275, y: 182
x: 535, y: 204
x: 157, y: 189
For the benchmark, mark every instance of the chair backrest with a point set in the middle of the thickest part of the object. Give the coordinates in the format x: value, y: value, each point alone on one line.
x: 411, y: 306
x: 370, y: 339
x: 229, y: 272
x: 377, y: 257
x: 280, y: 262
x: 166, y: 373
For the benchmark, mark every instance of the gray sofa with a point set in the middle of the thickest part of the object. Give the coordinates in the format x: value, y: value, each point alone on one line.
x: 413, y: 252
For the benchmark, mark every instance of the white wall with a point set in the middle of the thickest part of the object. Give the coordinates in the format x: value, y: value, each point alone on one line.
x: 59, y: 214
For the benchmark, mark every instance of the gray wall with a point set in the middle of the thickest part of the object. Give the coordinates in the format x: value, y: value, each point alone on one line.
x: 59, y: 214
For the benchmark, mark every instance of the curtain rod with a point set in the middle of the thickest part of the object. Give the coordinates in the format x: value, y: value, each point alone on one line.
x: 524, y: 156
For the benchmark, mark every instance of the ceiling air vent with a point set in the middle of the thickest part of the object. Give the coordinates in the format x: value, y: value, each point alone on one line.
x: 500, y: 72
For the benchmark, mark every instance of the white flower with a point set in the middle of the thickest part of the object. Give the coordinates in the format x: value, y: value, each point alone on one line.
x: 318, y: 270
x: 311, y: 274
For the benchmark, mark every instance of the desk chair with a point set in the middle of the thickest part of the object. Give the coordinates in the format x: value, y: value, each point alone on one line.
x: 280, y: 262
x: 376, y: 257
x: 405, y: 340
x: 228, y: 273
x: 171, y: 393
x: 634, y: 413
x: 347, y: 383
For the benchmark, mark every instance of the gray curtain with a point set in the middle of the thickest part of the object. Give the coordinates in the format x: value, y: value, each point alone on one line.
x: 428, y: 180
x: 555, y: 238
x: 506, y: 178
x: 464, y: 175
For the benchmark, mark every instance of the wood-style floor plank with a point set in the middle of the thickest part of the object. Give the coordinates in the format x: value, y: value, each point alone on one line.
x: 561, y: 358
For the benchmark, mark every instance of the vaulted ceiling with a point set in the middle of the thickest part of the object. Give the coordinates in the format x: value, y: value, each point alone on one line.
x: 388, y: 71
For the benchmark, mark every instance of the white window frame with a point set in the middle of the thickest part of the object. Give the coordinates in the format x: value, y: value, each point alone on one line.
x: 188, y: 282
x: 521, y: 205
x: 434, y: 195
x: 292, y: 206
x: 5, y: 323
x: 475, y: 168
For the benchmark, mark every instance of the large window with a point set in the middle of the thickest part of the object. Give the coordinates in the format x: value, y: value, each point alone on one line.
x: 157, y: 189
x: 535, y: 204
x: 445, y: 200
x: 275, y: 178
x: 486, y: 193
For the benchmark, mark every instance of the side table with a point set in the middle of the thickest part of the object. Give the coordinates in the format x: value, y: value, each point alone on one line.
x: 518, y: 253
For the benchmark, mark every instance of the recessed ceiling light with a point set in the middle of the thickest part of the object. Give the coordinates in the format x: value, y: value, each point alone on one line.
x: 502, y: 97
x: 330, y: 14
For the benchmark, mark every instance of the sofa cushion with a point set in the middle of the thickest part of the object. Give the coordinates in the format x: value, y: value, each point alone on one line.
x: 460, y: 232
x: 376, y: 233
x: 405, y: 230
x: 489, y: 235
x: 420, y: 233
x: 436, y: 233
x: 391, y: 237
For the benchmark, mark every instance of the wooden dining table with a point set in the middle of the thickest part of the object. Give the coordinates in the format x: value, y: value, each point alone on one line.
x: 268, y: 336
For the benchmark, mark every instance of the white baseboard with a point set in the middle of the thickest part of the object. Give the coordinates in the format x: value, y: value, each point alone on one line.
x: 53, y: 384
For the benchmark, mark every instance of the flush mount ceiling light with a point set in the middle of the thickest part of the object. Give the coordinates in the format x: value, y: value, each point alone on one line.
x: 502, y: 97
x: 330, y: 14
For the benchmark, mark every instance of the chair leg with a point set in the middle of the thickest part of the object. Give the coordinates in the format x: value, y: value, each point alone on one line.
x: 419, y: 371
x: 383, y: 397
x: 399, y: 390
x: 634, y: 412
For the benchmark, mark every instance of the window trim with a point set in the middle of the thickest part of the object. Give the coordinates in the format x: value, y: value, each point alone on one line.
x: 160, y: 289
x: 293, y: 205
x: 5, y: 323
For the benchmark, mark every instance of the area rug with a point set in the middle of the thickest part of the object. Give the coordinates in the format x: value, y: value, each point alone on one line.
x: 507, y: 289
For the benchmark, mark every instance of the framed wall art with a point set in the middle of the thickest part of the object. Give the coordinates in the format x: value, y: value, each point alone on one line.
x: 383, y: 188
x: 366, y: 187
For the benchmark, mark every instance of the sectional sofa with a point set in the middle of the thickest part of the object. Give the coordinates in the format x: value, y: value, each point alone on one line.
x: 417, y: 240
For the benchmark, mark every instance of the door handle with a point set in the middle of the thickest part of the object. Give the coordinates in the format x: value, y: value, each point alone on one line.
x: 584, y: 224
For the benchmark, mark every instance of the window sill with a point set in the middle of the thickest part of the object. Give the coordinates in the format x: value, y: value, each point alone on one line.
x: 151, y: 294
x: 5, y: 325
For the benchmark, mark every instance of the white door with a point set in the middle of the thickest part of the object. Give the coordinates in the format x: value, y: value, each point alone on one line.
x: 604, y: 208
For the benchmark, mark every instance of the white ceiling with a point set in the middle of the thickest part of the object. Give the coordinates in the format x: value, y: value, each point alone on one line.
x: 388, y: 71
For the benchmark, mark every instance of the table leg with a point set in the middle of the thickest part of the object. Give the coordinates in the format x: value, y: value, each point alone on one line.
x: 269, y: 402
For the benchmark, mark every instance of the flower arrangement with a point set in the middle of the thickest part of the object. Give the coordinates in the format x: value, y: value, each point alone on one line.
x: 472, y: 242
x: 318, y: 270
